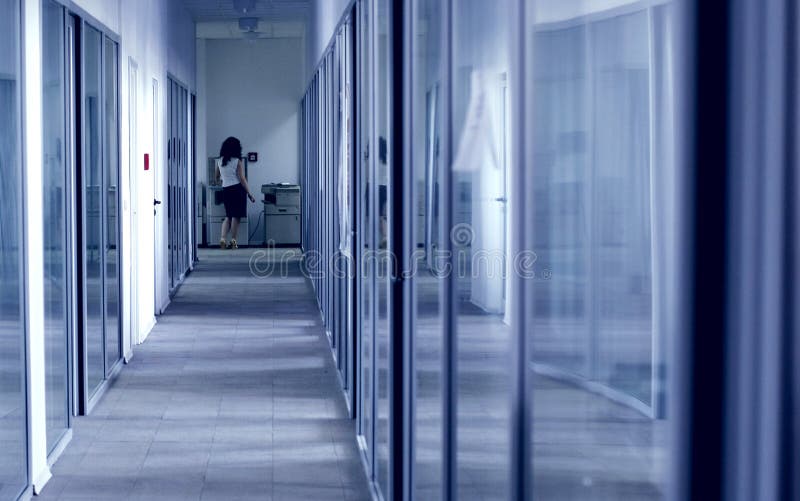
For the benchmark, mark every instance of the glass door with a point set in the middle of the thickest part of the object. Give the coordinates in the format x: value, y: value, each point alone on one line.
x: 429, y: 421
x: 349, y: 195
x: 57, y: 198
x: 366, y: 211
x: 193, y: 181
x: 481, y: 55
x: 601, y: 87
x: 179, y: 241
x: 171, y: 204
x: 92, y: 221
x: 14, y: 452
x: 111, y: 248
x: 97, y: 156
x: 381, y: 190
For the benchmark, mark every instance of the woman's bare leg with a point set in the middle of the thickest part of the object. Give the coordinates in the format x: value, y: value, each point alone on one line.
x: 225, y: 226
x: 234, y: 227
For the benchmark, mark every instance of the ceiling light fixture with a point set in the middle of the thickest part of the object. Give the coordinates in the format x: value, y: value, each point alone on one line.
x: 244, y: 6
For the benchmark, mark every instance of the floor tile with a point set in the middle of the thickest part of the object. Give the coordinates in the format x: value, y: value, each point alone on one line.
x: 232, y: 397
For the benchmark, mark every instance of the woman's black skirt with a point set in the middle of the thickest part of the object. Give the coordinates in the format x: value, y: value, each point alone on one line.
x: 235, y: 200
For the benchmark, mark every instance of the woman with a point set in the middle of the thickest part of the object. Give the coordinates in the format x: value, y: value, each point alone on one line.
x: 235, y: 190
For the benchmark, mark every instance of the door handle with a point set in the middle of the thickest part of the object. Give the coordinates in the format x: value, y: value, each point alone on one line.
x: 501, y: 199
x: 156, y: 202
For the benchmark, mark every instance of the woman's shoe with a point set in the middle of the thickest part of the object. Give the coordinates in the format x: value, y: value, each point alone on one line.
x: 222, y: 244
x: 233, y: 244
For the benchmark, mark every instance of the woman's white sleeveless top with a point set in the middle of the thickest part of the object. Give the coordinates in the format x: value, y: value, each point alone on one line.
x: 228, y: 172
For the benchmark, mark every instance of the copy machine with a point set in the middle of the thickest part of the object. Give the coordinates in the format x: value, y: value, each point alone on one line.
x: 281, y: 214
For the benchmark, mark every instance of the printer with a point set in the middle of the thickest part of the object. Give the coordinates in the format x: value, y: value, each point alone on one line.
x: 281, y: 214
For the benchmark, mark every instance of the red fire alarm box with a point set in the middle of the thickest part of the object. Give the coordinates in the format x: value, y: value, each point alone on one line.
x: 252, y: 156
x: 146, y: 161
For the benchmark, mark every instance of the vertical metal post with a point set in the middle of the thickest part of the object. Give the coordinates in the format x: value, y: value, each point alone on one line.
x: 698, y: 371
x: 791, y: 487
x: 373, y: 222
x: 448, y: 297
x: 400, y: 246
x: 408, y: 266
x: 520, y: 205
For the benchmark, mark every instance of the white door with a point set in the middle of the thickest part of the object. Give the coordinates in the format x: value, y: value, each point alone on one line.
x: 154, y: 167
x: 133, y: 163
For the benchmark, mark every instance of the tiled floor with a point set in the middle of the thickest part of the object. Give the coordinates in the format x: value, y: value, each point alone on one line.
x: 233, y: 396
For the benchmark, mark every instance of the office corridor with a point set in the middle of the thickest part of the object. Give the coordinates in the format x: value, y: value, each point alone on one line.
x: 233, y: 396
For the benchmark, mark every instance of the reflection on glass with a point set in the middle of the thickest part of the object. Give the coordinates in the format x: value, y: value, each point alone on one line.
x: 172, y: 202
x: 54, y: 193
x: 481, y: 42
x: 183, y: 125
x: 381, y: 194
x: 92, y: 208
x: 367, y: 275
x: 170, y: 173
x: 111, y: 157
x: 182, y: 173
x: 342, y: 222
x: 597, y: 362
x: 429, y: 323
x: 327, y: 208
x: 177, y: 182
x: 13, y: 449
x: 327, y: 205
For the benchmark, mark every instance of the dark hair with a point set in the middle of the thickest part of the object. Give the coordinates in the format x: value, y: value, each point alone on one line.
x: 231, y: 148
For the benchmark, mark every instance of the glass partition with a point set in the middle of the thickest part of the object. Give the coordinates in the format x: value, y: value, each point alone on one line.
x: 92, y: 175
x: 98, y: 123
x: 381, y: 190
x: 13, y: 415
x: 56, y: 194
x: 111, y: 181
x: 480, y: 63
x: 366, y: 232
x: 178, y: 223
x: 601, y: 135
x: 427, y: 229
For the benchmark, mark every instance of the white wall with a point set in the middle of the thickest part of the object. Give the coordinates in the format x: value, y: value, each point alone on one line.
x: 158, y: 35
x: 325, y: 16
x: 105, y: 11
x: 253, y: 90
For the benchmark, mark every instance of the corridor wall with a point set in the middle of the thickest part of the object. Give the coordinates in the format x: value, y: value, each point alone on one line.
x: 558, y: 208
x: 158, y: 47
x: 321, y: 27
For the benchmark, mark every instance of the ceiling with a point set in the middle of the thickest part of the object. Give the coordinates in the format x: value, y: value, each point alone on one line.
x: 265, y: 10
